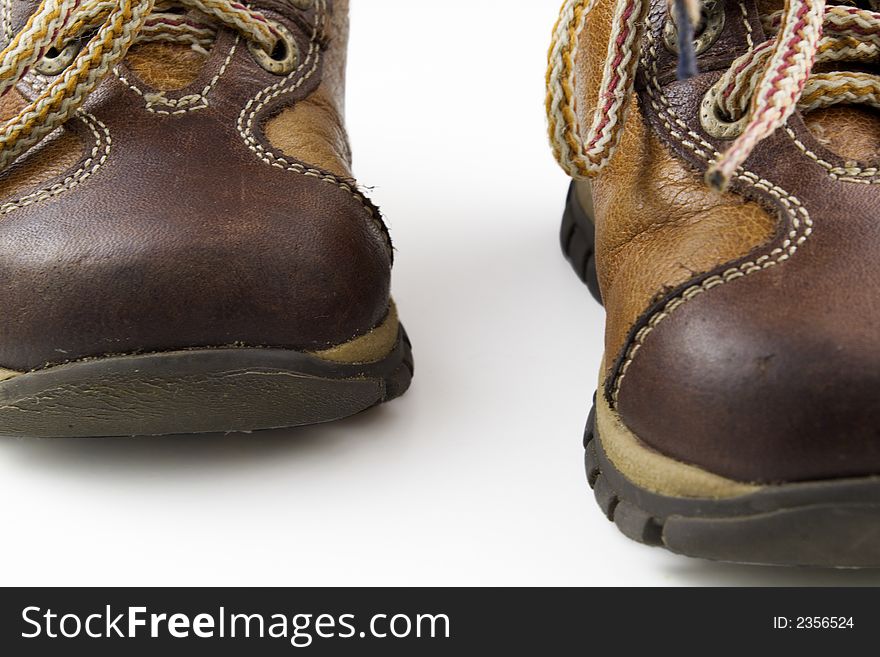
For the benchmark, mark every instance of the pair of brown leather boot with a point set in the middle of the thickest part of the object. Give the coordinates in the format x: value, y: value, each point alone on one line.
x: 183, y: 246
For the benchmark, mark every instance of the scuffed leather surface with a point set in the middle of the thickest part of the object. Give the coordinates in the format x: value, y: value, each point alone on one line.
x: 313, y: 129
x: 773, y: 376
x: 54, y: 157
x: 850, y: 131
x: 51, y: 159
x: 655, y: 236
x: 657, y: 222
x: 185, y: 237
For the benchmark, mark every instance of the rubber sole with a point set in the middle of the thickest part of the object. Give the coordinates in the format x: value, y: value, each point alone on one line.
x: 827, y: 524
x: 197, y: 391
x: 578, y: 240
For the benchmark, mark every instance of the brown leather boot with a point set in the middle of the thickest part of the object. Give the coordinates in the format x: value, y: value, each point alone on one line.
x: 183, y: 247
x: 735, y: 195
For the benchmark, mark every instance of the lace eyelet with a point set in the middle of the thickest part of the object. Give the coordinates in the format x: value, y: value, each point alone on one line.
x: 283, y: 59
x: 716, y: 125
x: 710, y: 28
x: 55, y: 61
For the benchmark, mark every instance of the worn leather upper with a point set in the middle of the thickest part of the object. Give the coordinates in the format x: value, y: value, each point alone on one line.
x: 742, y: 333
x: 178, y: 221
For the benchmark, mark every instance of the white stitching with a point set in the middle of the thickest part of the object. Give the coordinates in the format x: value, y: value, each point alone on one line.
x: 264, y: 96
x: 850, y: 173
x: 801, y: 227
x: 745, y: 18
x: 7, y: 20
x: 97, y: 158
x: 190, y: 103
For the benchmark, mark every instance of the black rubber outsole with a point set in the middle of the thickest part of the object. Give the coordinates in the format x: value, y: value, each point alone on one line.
x: 826, y: 524
x: 578, y: 240
x: 832, y: 524
x: 197, y: 391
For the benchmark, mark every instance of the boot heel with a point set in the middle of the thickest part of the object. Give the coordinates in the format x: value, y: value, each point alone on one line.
x: 578, y: 238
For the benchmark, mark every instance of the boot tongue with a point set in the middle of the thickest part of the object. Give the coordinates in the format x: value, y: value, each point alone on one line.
x: 165, y: 66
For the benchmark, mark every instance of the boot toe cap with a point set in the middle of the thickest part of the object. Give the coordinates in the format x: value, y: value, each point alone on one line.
x: 123, y: 277
x: 780, y: 393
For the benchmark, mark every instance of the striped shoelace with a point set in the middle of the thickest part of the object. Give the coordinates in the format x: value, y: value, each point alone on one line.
x: 101, y: 33
x: 760, y: 90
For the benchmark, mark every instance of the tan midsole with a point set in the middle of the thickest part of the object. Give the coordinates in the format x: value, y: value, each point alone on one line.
x: 5, y: 375
x: 368, y: 348
x: 651, y: 470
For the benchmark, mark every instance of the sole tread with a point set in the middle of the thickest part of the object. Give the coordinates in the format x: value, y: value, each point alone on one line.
x: 825, y: 524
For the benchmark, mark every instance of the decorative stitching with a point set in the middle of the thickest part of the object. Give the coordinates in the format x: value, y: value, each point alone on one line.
x: 850, y: 173
x: 117, y: 25
x: 748, y: 24
x: 189, y: 103
x: 64, y: 96
x: 264, y: 96
x: 99, y: 154
x: 801, y: 224
x: 7, y: 20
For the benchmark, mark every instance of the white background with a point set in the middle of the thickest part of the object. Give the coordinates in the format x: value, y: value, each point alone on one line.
x: 476, y: 476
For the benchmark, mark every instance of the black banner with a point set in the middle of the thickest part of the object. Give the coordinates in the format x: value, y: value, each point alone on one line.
x: 433, y: 621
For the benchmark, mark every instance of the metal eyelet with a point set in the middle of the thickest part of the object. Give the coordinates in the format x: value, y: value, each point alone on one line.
x: 710, y: 28
x: 55, y: 61
x: 716, y: 125
x: 283, y: 59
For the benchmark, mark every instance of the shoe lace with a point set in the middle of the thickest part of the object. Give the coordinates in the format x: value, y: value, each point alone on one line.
x: 761, y: 89
x: 105, y: 30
